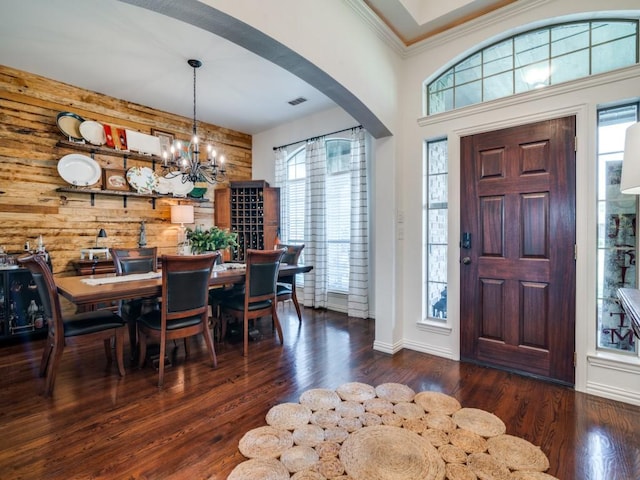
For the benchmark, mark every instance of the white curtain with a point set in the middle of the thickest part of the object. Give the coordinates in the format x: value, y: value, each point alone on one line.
x: 281, y: 182
x: 358, y: 299
x: 315, y: 252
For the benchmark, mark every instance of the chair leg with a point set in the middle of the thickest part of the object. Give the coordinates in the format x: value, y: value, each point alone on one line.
x: 107, y: 350
x: 276, y: 322
x: 163, y: 350
x: 208, y: 339
x: 46, y: 356
x: 294, y: 297
x: 56, y: 356
x: 223, y: 327
x: 142, y: 349
x: 214, y: 325
x: 120, y: 350
x: 133, y: 337
x: 245, y: 328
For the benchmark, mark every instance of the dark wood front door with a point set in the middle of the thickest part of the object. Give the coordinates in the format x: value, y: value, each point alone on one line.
x: 517, y: 266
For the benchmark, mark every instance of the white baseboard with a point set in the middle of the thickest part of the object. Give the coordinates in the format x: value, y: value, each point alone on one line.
x: 613, y: 393
x: 430, y: 349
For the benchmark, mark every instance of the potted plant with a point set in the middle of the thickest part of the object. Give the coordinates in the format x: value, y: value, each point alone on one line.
x: 211, y: 240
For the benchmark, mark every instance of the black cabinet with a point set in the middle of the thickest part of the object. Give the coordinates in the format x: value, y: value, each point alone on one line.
x: 21, y: 310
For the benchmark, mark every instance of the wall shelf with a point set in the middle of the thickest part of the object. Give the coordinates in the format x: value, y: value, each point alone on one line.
x: 125, y: 154
x: 93, y: 149
x: 119, y: 193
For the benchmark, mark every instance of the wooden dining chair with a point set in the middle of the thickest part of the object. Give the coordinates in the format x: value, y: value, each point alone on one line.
x: 84, y: 327
x: 135, y: 260
x: 286, y: 287
x: 184, y: 308
x: 259, y: 297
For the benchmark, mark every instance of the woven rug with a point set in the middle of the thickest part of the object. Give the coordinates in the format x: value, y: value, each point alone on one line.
x: 388, y: 432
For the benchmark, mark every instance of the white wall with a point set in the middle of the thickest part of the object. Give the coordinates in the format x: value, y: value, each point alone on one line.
x: 614, y: 376
x: 397, y: 169
x: 335, y: 38
x: 314, y: 125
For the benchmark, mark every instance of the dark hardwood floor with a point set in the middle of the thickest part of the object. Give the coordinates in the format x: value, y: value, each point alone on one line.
x: 100, y: 426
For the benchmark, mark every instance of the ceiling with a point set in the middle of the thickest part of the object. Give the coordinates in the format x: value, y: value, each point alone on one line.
x: 120, y: 49
x: 415, y: 20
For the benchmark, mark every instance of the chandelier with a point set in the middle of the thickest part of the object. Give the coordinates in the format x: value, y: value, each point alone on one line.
x: 184, y: 160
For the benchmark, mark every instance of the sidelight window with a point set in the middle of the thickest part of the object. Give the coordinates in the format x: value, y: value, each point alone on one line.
x: 435, y: 210
x: 617, y: 229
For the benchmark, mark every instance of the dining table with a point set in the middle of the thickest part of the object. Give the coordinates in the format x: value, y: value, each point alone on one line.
x: 87, y: 290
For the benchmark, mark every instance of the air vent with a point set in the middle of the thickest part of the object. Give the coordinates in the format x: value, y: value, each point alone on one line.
x: 297, y: 101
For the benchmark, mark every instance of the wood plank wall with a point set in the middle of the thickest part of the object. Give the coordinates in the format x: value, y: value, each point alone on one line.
x: 29, y: 203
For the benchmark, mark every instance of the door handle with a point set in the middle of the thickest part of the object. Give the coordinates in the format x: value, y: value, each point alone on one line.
x: 466, y: 260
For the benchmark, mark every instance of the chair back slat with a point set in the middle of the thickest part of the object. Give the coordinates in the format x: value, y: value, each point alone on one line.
x: 262, y: 274
x: 292, y: 253
x: 47, y: 289
x: 185, y: 282
x: 182, y: 293
x: 263, y: 279
x: 291, y: 257
x: 134, y: 260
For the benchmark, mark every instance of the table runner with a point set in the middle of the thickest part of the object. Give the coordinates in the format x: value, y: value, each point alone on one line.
x: 122, y: 278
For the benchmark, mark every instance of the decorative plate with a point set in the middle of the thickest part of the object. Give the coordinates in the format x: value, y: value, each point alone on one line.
x: 197, y: 192
x: 93, y: 132
x: 178, y: 187
x: 164, y: 186
x: 143, y: 179
x: 69, y: 124
x: 79, y: 170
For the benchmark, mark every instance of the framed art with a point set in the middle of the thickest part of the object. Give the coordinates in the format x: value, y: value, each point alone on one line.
x: 114, y: 179
x: 166, y: 139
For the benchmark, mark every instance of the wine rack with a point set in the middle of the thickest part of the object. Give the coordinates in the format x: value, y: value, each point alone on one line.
x: 252, y: 210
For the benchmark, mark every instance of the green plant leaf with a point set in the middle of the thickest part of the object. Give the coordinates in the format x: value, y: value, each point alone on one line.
x: 211, y: 239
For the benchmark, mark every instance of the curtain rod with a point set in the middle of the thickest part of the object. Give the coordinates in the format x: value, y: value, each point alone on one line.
x: 318, y: 136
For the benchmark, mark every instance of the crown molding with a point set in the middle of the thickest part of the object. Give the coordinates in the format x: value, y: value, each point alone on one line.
x: 486, y: 21
x: 398, y: 46
x: 378, y: 26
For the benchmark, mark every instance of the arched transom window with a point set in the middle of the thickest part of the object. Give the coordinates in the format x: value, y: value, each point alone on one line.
x: 535, y: 59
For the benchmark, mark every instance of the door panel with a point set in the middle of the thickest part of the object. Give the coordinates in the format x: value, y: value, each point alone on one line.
x: 518, y: 290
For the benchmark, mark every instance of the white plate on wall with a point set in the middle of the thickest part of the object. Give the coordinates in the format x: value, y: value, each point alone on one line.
x: 164, y: 186
x: 79, y: 170
x: 143, y: 179
x: 93, y: 132
x: 178, y: 188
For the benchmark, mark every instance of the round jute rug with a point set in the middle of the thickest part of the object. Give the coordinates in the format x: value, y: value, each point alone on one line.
x: 388, y: 432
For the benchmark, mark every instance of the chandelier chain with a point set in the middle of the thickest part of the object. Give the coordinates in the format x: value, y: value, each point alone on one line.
x: 194, y: 101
